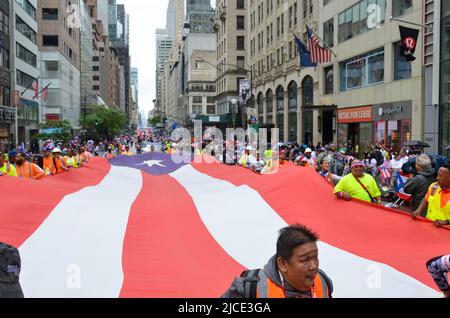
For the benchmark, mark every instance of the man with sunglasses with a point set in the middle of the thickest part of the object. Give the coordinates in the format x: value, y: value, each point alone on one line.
x: 358, y: 185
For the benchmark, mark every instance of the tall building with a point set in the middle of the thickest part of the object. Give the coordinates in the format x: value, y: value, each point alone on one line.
x: 86, y: 54
x: 135, y: 84
x: 102, y: 8
x: 24, y: 53
x: 444, y: 96
x: 123, y: 37
x: 122, y: 46
x: 199, y: 15
x: 175, y: 20
x: 7, y: 113
x: 231, y: 27
x: 367, y: 94
x: 163, y: 48
x: 59, y: 48
x: 112, y: 20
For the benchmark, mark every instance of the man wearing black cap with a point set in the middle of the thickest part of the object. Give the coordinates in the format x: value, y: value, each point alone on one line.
x: 9, y: 272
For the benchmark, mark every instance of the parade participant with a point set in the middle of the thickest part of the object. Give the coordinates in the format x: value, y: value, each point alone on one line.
x: 26, y: 169
x: 109, y: 154
x: 127, y: 151
x: 58, y: 162
x: 6, y: 169
x: 419, y: 185
x: 10, y: 265
x: 358, y: 185
x: 326, y: 173
x: 71, y: 160
x: 292, y: 273
x: 438, y: 268
x: 310, y: 161
x: 437, y: 200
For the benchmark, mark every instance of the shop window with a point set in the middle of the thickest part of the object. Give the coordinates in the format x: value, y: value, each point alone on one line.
x: 380, y: 132
x: 406, y: 131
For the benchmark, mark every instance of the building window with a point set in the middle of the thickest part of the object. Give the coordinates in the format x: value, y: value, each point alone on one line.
x: 240, y: 4
x: 308, y: 91
x: 211, y: 109
x: 25, y: 55
x: 353, y: 21
x: 197, y: 109
x: 240, y: 45
x: 329, y: 80
x: 269, y: 101
x: 328, y: 32
x: 402, y: 67
x: 25, y: 29
x: 4, y: 57
x: 50, y: 40
x: 51, y: 66
x: 363, y: 70
x: 210, y: 100
x: 5, y: 96
x: 4, y: 22
x: 280, y: 98
x: 241, y: 62
x: 24, y: 79
x: 401, y: 7
x: 95, y: 68
x: 292, y: 95
x: 197, y: 99
x: 49, y: 13
x: 28, y: 7
x: 240, y: 22
x: 199, y: 65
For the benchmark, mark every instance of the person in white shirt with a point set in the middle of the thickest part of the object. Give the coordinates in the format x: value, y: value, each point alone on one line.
x: 397, y: 163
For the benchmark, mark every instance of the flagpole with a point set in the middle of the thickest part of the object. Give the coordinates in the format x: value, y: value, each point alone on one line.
x: 412, y: 23
x: 326, y: 44
x: 37, y: 79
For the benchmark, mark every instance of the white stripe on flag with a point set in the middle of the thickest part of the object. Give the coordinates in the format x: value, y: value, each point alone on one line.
x: 247, y: 229
x: 82, y: 242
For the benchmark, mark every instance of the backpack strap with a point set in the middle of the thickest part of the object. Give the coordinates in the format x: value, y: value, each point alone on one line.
x: 251, y: 279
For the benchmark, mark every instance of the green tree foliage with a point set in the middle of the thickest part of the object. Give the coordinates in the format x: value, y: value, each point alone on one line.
x: 56, y: 131
x: 102, y: 122
x: 152, y: 122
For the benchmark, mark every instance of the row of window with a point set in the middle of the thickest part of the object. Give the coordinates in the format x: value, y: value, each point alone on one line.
x: 23, y: 79
x: 25, y: 55
x: 28, y: 7
x: 25, y: 29
x: 5, y: 96
x: 4, y: 57
x: 4, y: 22
x: 198, y: 109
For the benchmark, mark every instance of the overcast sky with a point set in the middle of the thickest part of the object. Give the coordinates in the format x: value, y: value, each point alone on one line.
x: 145, y: 17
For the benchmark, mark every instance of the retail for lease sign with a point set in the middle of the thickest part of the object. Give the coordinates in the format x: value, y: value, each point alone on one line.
x: 355, y: 115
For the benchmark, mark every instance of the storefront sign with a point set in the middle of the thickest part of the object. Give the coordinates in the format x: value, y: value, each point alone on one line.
x: 214, y: 119
x: 355, y: 115
x: 7, y: 113
x: 393, y: 111
x: 390, y: 110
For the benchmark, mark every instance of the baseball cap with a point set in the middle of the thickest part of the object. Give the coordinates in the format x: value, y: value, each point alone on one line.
x: 308, y: 150
x: 9, y: 272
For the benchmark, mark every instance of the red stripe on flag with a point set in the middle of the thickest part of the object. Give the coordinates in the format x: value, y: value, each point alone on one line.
x: 168, y: 251
x: 299, y: 195
x: 28, y: 203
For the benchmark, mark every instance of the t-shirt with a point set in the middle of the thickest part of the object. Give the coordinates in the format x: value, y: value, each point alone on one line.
x: 12, y: 170
x: 438, y: 203
x: 351, y: 186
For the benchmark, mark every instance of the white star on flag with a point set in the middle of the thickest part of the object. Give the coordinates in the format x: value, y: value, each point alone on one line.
x: 152, y: 163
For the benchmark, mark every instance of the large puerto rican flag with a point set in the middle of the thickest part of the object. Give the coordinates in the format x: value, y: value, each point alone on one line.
x: 145, y: 227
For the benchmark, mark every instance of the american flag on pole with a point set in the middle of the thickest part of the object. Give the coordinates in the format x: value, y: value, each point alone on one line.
x: 318, y: 53
x: 45, y: 94
x: 145, y: 226
x: 35, y: 87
